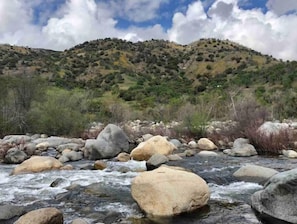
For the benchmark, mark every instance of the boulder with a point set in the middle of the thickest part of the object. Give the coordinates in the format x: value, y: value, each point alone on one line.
x: 167, y: 192
x: 79, y: 221
x: 192, y: 144
x: 174, y: 157
x: 109, y: 143
x: 42, y: 146
x: 100, y: 165
x: 8, y: 212
x: 72, y: 146
x: 55, y: 141
x: 156, y: 144
x: 37, y: 164
x: 277, y: 202
x: 15, y: 156
x: 206, y: 144
x: 289, y: 153
x: 241, y: 147
x: 123, y: 157
x: 17, y: 139
x: 176, y: 143
x: 207, y: 153
x: 254, y: 173
x: 30, y: 148
x: 73, y: 155
x: 42, y: 216
x: 155, y: 161
x: 272, y: 128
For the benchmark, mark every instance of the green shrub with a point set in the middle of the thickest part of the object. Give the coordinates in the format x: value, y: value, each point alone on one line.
x: 61, y: 113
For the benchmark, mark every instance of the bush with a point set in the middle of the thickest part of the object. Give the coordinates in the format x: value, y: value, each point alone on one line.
x: 61, y: 113
x: 271, y: 144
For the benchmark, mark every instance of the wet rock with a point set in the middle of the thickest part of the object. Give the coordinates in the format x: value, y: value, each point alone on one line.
x: 278, y: 200
x: 42, y: 216
x: 57, y: 182
x: 167, y: 192
x: 8, y: 212
x: 100, y: 165
x: 37, y: 164
x: 174, y: 157
x: 15, y: 156
x: 254, y: 173
x: 123, y: 157
x: 109, y: 143
x: 79, y: 221
x: 156, y: 144
x: 155, y: 161
x: 207, y: 153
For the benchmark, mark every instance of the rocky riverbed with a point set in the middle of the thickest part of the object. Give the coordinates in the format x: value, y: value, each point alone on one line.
x: 104, y: 196
x: 62, y: 173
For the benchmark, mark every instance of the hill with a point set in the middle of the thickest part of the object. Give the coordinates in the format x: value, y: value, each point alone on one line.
x: 145, y: 75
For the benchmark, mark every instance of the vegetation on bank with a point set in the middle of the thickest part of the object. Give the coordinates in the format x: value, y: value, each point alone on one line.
x: 111, y: 80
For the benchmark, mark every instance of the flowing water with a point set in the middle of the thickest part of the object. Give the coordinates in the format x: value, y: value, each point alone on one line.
x: 105, y: 195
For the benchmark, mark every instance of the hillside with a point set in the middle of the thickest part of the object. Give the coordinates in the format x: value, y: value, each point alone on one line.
x: 156, y: 71
x: 115, y: 80
x: 113, y: 64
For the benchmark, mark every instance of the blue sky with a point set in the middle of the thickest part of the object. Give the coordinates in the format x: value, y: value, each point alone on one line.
x: 263, y: 25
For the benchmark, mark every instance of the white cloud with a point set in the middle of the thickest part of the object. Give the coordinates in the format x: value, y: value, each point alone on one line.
x: 9, y: 21
x: 267, y: 33
x: 281, y: 7
x: 137, y: 10
x: 76, y: 21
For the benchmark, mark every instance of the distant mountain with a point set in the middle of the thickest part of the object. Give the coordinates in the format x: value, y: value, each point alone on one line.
x: 156, y: 69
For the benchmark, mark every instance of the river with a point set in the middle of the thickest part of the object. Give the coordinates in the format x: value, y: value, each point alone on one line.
x: 104, y: 196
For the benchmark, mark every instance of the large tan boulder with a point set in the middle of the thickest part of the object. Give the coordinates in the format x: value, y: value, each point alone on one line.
x: 156, y: 144
x: 169, y: 191
x: 37, y: 164
x: 42, y: 216
x: 206, y: 144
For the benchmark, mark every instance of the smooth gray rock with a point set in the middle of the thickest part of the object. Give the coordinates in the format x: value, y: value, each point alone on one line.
x: 278, y: 199
x: 110, y: 142
x: 15, y: 156
x: 155, y: 161
x: 176, y: 143
x: 10, y: 211
x: 242, y: 148
x: 254, y: 173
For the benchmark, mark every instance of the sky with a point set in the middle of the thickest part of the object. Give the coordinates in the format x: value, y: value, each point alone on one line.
x: 267, y: 26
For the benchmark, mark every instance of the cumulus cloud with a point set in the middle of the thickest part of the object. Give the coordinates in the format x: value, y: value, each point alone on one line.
x: 137, y: 10
x: 281, y: 7
x: 267, y: 32
x: 72, y: 22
